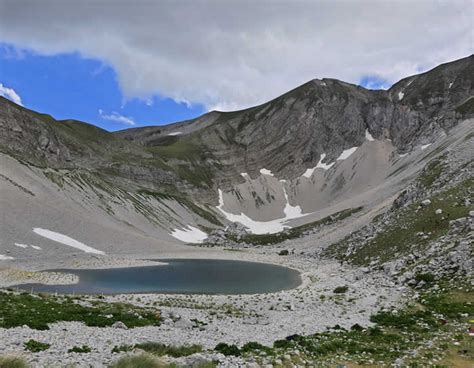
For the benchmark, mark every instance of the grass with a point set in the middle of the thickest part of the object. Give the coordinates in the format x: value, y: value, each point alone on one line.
x: 149, y: 361
x: 36, y: 346
x: 174, y: 351
x: 10, y: 361
x: 296, y: 232
x: 429, y: 325
x: 37, y: 311
x: 401, y: 235
x: 138, y: 361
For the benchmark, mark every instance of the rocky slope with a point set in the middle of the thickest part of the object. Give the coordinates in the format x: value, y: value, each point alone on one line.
x: 324, y: 147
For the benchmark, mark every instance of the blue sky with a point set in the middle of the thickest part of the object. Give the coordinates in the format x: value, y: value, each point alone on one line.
x: 69, y: 86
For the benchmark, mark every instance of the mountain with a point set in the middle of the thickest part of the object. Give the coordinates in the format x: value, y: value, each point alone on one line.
x: 325, y: 147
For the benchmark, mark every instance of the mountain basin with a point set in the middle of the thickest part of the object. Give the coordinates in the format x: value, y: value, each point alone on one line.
x: 179, y: 276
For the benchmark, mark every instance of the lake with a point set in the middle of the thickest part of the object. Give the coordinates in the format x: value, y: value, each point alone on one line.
x: 180, y: 276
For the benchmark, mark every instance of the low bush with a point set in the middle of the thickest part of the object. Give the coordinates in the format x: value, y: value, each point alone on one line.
x: 227, y: 350
x: 80, y: 349
x: 340, y: 290
x: 159, y: 349
x: 36, y: 346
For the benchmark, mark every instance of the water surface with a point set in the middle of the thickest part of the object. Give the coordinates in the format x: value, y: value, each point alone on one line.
x: 182, y: 276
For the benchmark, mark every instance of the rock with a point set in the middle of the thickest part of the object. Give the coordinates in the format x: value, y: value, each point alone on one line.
x: 120, y: 324
x: 471, y: 213
x: 439, y: 211
x: 425, y: 203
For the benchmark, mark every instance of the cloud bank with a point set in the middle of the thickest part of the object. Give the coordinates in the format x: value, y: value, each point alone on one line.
x: 10, y: 94
x: 234, y: 54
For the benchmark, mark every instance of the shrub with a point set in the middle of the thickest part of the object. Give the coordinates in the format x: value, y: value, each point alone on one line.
x: 227, y: 350
x: 36, y: 346
x: 283, y: 344
x: 80, y: 349
x: 122, y: 348
x: 174, y: 351
x: 12, y: 362
x: 283, y: 252
x: 340, y: 290
x: 426, y: 277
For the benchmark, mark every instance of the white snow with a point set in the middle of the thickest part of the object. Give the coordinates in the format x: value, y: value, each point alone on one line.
x: 308, y: 172
x: 262, y: 227
x: 245, y: 175
x: 425, y: 146
x: 450, y: 85
x: 400, y: 95
x: 266, y: 172
x: 35, y: 247
x: 19, y: 245
x: 175, y: 133
x: 346, y: 153
x: 66, y: 240
x: 190, y: 234
x: 5, y: 258
x: 319, y: 165
x: 368, y: 136
x: 402, y: 154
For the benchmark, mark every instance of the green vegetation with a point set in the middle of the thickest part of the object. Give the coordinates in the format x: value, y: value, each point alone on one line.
x: 149, y: 361
x: 174, y: 351
x: 122, y: 348
x: 36, y: 311
x: 9, y: 361
x: 413, y: 227
x: 138, y: 361
x: 36, y: 346
x: 467, y: 107
x: 340, y: 290
x: 432, y: 172
x: 227, y: 350
x: 295, y: 232
x: 433, y: 326
x: 80, y: 349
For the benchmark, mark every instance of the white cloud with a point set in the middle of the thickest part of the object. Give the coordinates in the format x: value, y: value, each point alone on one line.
x: 234, y: 54
x: 115, y: 116
x: 10, y: 94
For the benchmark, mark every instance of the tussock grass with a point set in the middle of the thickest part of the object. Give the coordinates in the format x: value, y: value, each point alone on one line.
x: 11, y: 361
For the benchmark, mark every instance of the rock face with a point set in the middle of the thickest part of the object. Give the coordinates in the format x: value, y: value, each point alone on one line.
x: 321, y: 148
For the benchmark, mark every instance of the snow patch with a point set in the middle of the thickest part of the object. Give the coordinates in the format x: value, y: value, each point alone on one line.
x: 19, y: 245
x: 400, y: 95
x: 425, y: 146
x: 266, y: 172
x: 5, y: 258
x: 175, y: 133
x: 66, y: 240
x: 402, y: 154
x: 346, y: 153
x: 450, y: 85
x: 368, y: 136
x: 245, y: 175
x: 190, y: 234
x: 35, y: 247
x: 262, y: 227
x: 309, y: 172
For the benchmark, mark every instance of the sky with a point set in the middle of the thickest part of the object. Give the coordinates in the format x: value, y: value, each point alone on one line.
x: 121, y: 64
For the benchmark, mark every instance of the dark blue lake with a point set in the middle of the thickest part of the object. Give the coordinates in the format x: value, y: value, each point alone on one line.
x: 181, y: 276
